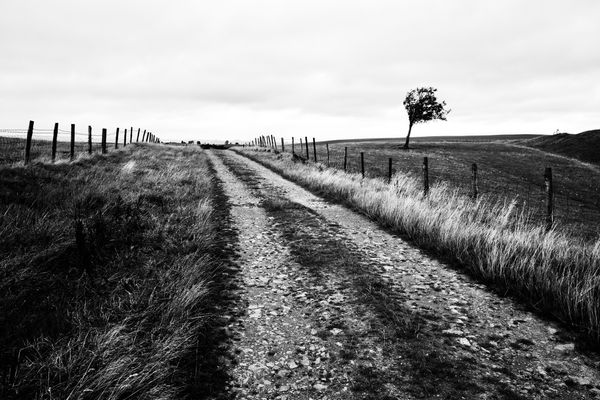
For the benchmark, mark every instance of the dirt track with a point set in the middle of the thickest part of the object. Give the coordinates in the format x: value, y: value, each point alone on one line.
x: 334, y: 307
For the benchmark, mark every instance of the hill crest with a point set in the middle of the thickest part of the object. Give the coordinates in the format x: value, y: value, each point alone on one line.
x: 584, y: 146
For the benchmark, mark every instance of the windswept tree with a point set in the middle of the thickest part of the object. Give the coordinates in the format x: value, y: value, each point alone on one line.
x: 422, y: 106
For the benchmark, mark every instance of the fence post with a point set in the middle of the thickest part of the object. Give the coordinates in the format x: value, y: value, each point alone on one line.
x: 28, y: 143
x: 293, y: 146
x: 54, y: 141
x: 103, y: 140
x: 425, y: 176
x: 306, y: 144
x: 327, y: 147
x: 345, y: 157
x: 282, y: 146
x: 315, y: 149
x: 389, y: 170
x: 117, y: 139
x: 362, y: 163
x: 274, y: 142
x: 549, y: 198
x: 474, y: 189
x: 89, y: 139
x: 131, y: 135
x: 137, y: 139
x: 125, y: 138
x: 72, y: 142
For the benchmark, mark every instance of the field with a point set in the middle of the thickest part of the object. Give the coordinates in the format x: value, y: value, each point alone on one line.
x: 170, y: 272
x: 108, y: 274
x: 507, y: 170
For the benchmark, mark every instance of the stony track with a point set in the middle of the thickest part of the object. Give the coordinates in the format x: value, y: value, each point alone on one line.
x: 334, y: 307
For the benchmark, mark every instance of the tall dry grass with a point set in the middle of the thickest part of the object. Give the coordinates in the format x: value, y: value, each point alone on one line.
x: 552, y: 271
x: 111, y: 315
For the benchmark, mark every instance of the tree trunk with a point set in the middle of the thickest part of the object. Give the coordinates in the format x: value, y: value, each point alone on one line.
x: 408, y: 136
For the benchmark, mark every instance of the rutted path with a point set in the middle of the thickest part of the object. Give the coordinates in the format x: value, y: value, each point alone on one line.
x: 338, y: 308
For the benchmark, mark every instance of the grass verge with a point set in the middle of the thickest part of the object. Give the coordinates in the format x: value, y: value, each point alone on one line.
x: 107, y: 274
x: 552, y: 271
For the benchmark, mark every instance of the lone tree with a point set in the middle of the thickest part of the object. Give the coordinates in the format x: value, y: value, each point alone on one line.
x: 422, y: 106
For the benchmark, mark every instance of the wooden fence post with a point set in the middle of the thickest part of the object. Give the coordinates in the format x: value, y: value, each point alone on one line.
x: 362, y: 163
x: 72, y: 142
x: 103, y: 140
x: 474, y: 188
x: 425, y: 176
x: 137, y: 139
x: 345, y: 157
x: 89, y: 139
x: 125, y: 138
x: 327, y: 148
x: 117, y: 139
x: 274, y: 143
x: 282, y: 146
x: 389, y: 170
x: 314, y: 150
x: 131, y: 135
x: 293, y: 146
x: 306, y: 144
x: 54, y: 141
x: 28, y: 143
x: 301, y: 146
x: 549, y: 198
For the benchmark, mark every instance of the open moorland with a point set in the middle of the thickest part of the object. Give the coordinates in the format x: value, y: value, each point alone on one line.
x: 178, y: 272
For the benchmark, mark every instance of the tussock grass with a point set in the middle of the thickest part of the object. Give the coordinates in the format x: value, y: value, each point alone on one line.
x: 106, y: 273
x: 553, y: 271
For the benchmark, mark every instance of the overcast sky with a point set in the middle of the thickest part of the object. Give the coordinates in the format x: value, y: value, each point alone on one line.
x: 210, y: 70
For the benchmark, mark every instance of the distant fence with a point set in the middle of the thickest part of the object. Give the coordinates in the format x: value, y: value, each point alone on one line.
x: 543, y: 199
x: 55, y: 143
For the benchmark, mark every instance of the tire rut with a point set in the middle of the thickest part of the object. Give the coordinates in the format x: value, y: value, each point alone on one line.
x: 339, y: 308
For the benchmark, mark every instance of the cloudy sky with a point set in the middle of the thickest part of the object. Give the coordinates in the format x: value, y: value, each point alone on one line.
x: 215, y: 70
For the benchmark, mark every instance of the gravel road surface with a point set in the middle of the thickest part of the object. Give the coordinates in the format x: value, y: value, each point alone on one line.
x: 334, y: 307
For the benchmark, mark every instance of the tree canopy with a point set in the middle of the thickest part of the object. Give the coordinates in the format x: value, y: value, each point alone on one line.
x: 422, y: 105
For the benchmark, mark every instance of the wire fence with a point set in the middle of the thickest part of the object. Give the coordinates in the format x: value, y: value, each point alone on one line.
x: 55, y: 144
x: 575, y: 202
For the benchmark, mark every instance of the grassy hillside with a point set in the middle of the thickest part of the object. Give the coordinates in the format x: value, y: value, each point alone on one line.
x: 506, y: 171
x: 105, y: 274
x: 584, y: 146
x: 552, y: 271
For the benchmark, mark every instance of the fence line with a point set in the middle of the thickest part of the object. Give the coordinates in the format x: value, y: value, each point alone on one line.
x: 28, y: 144
x: 542, y: 201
